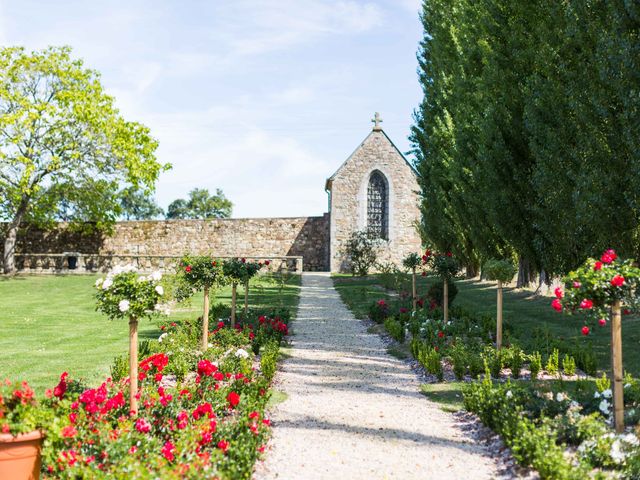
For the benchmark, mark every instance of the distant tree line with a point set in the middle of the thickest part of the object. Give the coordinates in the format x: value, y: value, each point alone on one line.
x: 140, y: 205
x: 528, y: 137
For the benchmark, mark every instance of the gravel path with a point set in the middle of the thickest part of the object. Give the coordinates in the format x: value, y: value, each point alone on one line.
x: 353, y: 411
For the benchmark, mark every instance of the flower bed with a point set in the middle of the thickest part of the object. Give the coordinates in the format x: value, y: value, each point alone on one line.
x: 205, y: 419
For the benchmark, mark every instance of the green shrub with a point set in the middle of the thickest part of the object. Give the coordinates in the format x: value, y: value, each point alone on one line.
x: 514, y: 358
x: 379, y: 311
x: 494, y: 359
x: 269, y: 359
x: 553, y: 362
x: 428, y: 357
x: 459, y: 360
x: 120, y: 368
x: 436, y: 292
x: 586, y: 360
x: 569, y: 365
x: 603, y: 383
x: 535, y: 364
x: 395, y: 329
x: 476, y: 365
x: 360, y: 252
x: 503, y: 270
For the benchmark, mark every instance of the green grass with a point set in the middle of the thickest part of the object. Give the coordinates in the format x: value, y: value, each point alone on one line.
x: 49, y: 325
x: 523, y: 311
x: 448, y: 395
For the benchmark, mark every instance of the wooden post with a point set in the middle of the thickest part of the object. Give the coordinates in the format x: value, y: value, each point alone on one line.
x: 133, y: 364
x: 616, y: 367
x: 499, y: 318
x: 234, y: 287
x: 415, y: 295
x: 246, y: 299
x: 205, y: 320
x: 445, y: 302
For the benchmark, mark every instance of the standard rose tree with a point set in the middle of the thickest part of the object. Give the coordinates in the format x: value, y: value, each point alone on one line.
x: 128, y: 294
x: 446, y: 268
x: 197, y: 273
x: 238, y: 270
x: 411, y: 262
x: 501, y: 271
x: 600, y: 289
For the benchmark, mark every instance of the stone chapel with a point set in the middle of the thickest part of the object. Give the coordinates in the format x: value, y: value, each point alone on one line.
x: 375, y: 189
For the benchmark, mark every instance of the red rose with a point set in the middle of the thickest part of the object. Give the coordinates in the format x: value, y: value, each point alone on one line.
x: 234, y: 399
x: 143, y: 426
x: 557, y: 306
x: 586, y: 304
x: 69, y: 431
x: 585, y: 330
x: 602, y: 322
x: 577, y: 285
x: 243, y: 260
x: 267, y: 262
x: 424, y: 274
x: 188, y: 268
x: 617, y: 281
x: 449, y: 254
x: 626, y: 311
x: 597, y: 266
x: 167, y: 451
x: 608, y: 256
x: 440, y: 334
x: 558, y: 292
x: 223, y: 445
x: 403, y: 310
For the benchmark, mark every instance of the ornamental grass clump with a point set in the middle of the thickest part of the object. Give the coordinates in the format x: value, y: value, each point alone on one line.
x: 600, y: 289
x: 128, y: 294
x: 197, y: 273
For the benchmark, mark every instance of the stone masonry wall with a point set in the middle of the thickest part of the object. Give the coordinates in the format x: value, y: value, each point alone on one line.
x: 349, y: 200
x: 303, y: 236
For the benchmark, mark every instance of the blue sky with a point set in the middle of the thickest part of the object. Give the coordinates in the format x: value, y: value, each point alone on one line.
x: 262, y: 98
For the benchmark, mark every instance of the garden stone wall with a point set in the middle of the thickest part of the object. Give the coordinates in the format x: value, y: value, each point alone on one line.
x: 301, y: 236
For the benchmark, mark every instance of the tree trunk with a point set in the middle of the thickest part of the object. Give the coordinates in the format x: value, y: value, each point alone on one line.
x: 499, y: 318
x: 246, y: 300
x: 234, y: 287
x: 133, y: 364
x: 413, y: 286
x: 205, y: 320
x: 471, y: 270
x: 525, y: 273
x: 9, y: 260
x: 445, y: 300
x: 616, y: 367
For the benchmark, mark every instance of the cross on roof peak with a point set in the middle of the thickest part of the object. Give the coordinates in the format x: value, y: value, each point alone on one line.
x: 376, y: 120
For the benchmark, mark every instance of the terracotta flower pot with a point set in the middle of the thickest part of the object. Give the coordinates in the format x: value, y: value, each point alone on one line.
x: 20, y: 456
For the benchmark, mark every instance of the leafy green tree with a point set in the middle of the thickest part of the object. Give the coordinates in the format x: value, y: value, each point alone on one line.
x: 138, y: 205
x: 64, y: 147
x: 201, y: 204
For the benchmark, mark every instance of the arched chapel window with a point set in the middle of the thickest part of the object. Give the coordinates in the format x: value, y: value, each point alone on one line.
x: 377, y: 206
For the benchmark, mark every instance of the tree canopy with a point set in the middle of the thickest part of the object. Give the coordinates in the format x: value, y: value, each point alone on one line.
x: 201, y: 204
x: 527, y: 139
x: 64, y: 147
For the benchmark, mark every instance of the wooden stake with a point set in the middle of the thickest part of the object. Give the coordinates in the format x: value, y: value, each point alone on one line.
x: 499, y: 318
x: 415, y: 294
x: 246, y: 300
x: 616, y: 367
x: 234, y: 287
x: 133, y: 364
x: 205, y: 320
x: 446, y: 300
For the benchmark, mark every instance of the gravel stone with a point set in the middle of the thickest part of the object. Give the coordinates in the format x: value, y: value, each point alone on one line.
x: 355, y: 412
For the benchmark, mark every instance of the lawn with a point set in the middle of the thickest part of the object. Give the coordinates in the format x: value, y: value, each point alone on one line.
x: 526, y: 314
x: 49, y: 325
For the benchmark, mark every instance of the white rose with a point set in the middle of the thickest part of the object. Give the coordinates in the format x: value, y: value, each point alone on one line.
x: 509, y: 394
x: 99, y: 282
x: 161, y: 337
x: 604, y: 407
x: 159, y: 290
x: 123, y: 305
x: 561, y: 396
x: 156, y: 276
x: 107, y: 283
x: 607, y: 393
x: 240, y: 353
